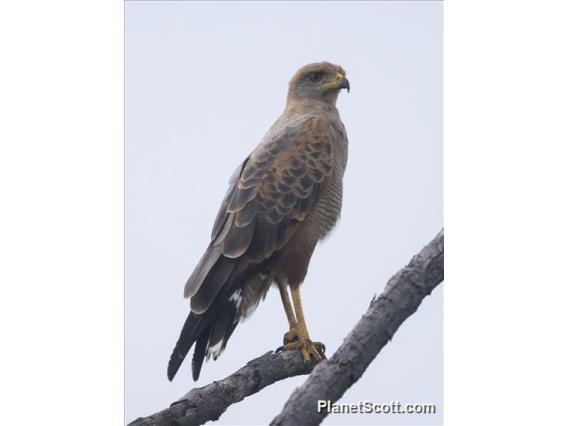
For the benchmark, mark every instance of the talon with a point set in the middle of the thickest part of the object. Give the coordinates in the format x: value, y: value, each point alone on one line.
x: 308, y: 349
x: 320, y: 348
x: 290, y: 336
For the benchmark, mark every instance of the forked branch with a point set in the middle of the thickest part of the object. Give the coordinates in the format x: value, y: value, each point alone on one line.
x: 330, y: 379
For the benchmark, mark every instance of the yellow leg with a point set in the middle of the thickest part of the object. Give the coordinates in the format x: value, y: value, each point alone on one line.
x: 287, y: 305
x: 308, y: 348
x: 302, y: 328
x: 292, y: 334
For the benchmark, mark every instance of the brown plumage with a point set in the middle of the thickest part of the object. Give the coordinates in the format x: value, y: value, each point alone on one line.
x: 283, y: 199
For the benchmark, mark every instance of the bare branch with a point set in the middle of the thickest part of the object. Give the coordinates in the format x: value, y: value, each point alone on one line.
x: 330, y: 379
x: 209, y: 402
x: 402, y: 296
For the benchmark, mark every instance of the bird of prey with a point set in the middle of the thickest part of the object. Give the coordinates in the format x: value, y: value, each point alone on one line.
x: 283, y: 198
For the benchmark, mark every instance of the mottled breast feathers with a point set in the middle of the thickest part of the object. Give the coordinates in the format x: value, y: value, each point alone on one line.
x: 272, y: 192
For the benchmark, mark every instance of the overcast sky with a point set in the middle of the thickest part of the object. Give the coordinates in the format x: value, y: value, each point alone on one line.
x: 204, y: 81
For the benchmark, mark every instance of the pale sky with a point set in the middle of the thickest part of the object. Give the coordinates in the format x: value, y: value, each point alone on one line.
x: 204, y: 81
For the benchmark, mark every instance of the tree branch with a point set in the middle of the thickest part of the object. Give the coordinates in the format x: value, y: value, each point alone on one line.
x: 403, y: 294
x: 209, y: 402
x: 330, y: 379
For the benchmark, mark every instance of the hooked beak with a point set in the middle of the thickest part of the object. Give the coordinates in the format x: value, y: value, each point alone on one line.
x: 344, y: 84
x: 339, y: 83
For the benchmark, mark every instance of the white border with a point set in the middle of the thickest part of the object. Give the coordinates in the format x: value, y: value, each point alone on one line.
x: 61, y: 174
x: 506, y: 98
x: 61, y: 246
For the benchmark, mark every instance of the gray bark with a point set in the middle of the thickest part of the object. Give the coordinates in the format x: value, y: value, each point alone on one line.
x: 209, y: 402
x: 330, y: 379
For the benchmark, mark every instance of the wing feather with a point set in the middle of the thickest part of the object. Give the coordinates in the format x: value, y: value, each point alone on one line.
x: 213, y: 283
x: 223, y: 215
x: 207, y: 261
x: 279, y: 185
x: 238, y: 239
x: 275, y: 188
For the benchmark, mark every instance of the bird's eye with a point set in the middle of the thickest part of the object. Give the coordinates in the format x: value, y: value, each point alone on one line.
x: 315, y: 77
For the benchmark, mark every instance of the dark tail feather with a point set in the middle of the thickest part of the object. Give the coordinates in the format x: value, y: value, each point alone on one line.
x: 222, y: 328
x: 216, y: 334
x: 215, y: 316
x: 188, y: 335
x: 199, y: 354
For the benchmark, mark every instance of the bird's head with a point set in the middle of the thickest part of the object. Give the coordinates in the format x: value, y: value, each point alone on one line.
x: 321, y: 81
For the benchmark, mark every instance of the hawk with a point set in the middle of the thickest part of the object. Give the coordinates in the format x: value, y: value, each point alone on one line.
x: 283, y: 199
